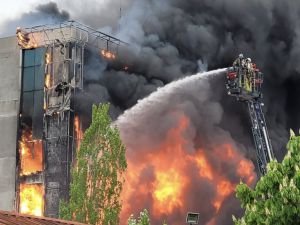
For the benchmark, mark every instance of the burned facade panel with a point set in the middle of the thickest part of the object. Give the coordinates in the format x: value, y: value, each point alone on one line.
x: 65, y: 78
x: 50, y: 127
x: 58, y: 159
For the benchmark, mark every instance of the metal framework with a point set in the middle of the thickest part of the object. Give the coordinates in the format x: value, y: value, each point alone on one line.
x: 64, y: 72
x: 264, y: 152
x: 244, y: 81
x: 64, y: 46
x: 72, y: 31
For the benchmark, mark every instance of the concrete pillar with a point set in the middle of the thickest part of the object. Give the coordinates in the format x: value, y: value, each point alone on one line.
x: 9, y: 111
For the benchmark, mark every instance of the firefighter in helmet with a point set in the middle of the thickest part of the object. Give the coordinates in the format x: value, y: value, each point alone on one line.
x: 249, y: 74
x: 239, y: 65
x: 240, y: 61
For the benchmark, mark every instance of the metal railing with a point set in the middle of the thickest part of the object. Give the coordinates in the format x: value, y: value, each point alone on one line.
x: 72, y: 31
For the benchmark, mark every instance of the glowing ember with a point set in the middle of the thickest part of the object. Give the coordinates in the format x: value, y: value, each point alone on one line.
x: 31, y: 154
x: 175, y: 177
x: 48, y: 58
x: 31, y: 199
x: 48, y: 81
x: 23, y: 39
x: 78, y: 131
x: 108, y: 54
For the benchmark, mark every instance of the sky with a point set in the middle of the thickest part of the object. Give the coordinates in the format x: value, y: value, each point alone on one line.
x: 11, y: 9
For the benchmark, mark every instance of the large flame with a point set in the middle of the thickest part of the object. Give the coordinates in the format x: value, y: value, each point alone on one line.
x: 177, y: 177
x: 31, y: 154
x: 31, y: 199
x: 167, y: 189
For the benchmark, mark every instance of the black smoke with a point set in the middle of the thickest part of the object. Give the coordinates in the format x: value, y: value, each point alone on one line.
x: 145, y: 130
x: 169, y: 38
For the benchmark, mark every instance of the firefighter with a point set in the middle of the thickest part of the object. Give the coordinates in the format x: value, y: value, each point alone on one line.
x: 249, y: 74
x: 239, y: 65
x: 240, y: 61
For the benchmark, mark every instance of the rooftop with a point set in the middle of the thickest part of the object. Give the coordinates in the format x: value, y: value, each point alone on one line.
x: 9, y: 218
x: 70, y: 31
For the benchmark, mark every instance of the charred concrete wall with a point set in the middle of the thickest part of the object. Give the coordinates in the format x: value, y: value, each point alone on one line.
x: 9, y: 112
x: 58, y: 160
x: 65, y: 71
x: 38, y: 92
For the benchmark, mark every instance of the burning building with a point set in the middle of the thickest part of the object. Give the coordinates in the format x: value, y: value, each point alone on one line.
x: 42, y: 76
x: 177, y: 39
x: 182, y: 162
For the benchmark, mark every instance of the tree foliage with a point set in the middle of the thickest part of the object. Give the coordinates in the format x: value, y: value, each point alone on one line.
x: 143, y: 219
x: 97, y: 177
x: 276, y: 197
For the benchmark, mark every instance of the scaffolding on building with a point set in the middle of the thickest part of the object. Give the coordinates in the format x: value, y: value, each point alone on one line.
x: 72, y: 31
x: 64, y: 46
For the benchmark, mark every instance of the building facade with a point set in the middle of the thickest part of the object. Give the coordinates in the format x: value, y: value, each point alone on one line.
x: 41, y: 71
x: 10, y: 89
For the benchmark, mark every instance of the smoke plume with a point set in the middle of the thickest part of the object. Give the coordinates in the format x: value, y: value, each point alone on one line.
x: 182, y: 160
x: 168, y: 40
x: 172, y: 39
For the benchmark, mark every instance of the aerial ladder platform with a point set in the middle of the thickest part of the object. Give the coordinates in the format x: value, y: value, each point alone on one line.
x: 244, y: 81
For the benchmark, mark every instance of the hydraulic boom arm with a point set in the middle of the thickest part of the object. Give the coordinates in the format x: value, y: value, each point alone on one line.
x: 264, y: 152
x: 244, y: 82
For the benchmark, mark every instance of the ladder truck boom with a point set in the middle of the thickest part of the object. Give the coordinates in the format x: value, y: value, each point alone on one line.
x: 244, y: 81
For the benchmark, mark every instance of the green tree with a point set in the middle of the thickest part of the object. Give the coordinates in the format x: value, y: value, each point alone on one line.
x: 276, y: 197
x: 97, y: 177
x: 143, y: 219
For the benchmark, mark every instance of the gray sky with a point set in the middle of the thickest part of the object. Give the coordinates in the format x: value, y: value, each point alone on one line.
x: 10, y: 9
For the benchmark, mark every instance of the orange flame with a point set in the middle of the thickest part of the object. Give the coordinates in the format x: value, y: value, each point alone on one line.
x: 48, y: 81
x: 78, y: 131
x: 167, y: 189
x: 23, y: 39
x: 31, y: 154
x: 161, y: 178
x: 31, y: 199
x: 48, y: 58
x: 245, y: 170
x: 204, y: 168
x: 108, y: 54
